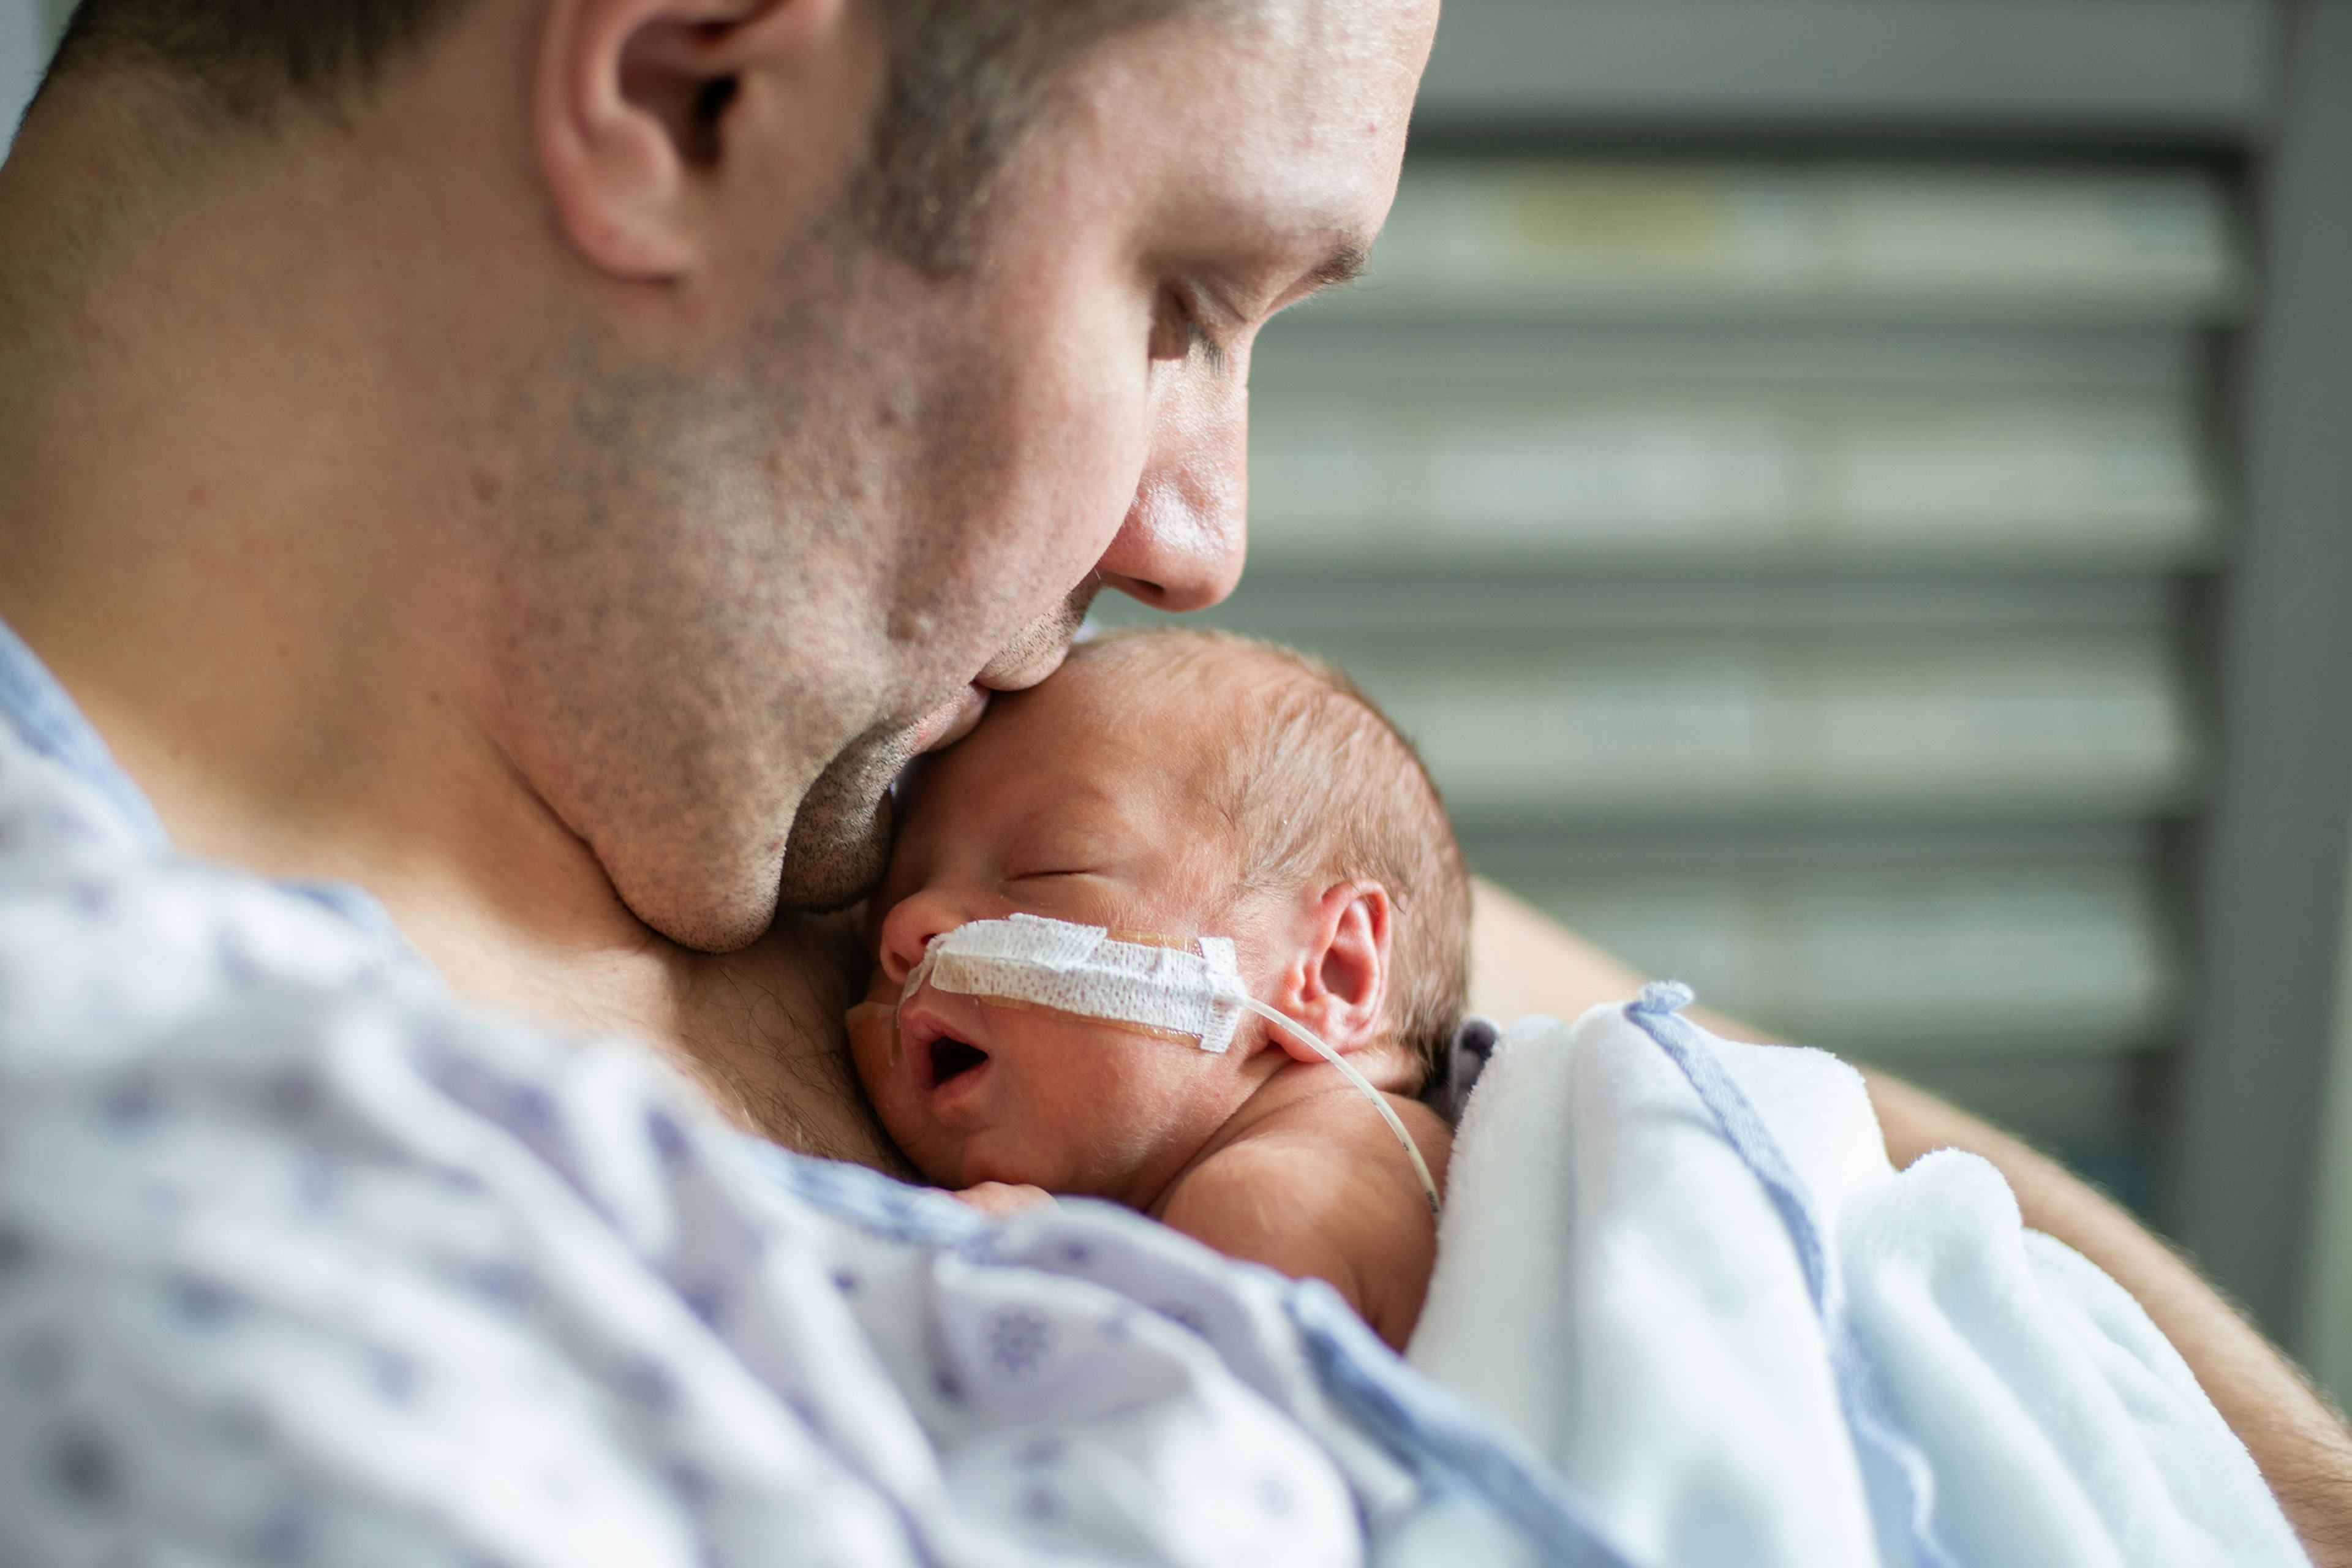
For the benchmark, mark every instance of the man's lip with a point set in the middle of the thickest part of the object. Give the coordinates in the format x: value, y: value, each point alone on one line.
x: 1021, y: 673
x: 953, y: 720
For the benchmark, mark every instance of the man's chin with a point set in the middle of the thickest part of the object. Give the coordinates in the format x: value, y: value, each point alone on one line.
x: 839, y: 846
x: 830, y: 862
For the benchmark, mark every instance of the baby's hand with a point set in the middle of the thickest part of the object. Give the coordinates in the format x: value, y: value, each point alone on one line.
x: 1004, y: 1199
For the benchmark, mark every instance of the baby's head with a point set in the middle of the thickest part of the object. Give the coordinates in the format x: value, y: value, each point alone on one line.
x: 1177, y: 785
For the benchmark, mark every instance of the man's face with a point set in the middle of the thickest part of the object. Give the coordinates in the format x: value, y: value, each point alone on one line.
x: 893, y: 494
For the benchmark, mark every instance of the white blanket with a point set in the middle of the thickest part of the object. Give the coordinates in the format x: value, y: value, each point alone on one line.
x: 1618, y: 1286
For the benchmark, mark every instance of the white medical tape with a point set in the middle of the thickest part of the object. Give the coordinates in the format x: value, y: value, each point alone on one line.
x: 1088, y: 973
x: 1085, y: 972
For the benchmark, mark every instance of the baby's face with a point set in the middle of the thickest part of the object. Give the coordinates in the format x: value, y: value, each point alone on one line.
x: 1066, y: 802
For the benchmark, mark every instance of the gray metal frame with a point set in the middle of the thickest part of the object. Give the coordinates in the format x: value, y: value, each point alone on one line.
x: 2325, y: 1341
x: 2198, y: 70
x: 2272, y: 904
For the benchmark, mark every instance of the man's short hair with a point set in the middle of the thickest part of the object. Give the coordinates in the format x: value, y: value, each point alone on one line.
x: 246, y: 58
x: 1318, y: 785
x: 967, y: 79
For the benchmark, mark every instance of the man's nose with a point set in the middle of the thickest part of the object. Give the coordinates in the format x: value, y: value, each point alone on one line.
x: 909, y: 928
x: 1182, y: 545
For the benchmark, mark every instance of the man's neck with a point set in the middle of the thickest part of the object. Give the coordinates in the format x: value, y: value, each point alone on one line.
x: 242, y: 530
x: 233, y: 538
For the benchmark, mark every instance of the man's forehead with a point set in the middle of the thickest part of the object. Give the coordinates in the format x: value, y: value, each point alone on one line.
x: 1295, y: 108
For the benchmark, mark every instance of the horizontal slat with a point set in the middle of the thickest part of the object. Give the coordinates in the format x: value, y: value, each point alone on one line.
x: 1463, y: 478
x: 1629, y: 730
x: 1306, y: 354
x: 1344, y: 605
x: 1885, y: 959
x: 1495, y: 240
x: 2201, y: 69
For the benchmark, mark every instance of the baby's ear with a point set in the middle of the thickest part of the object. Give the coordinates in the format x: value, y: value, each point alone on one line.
x: 1337, y: 983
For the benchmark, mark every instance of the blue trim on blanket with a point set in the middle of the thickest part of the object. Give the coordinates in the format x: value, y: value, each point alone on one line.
x: 1869, y: 1412
x: 1451, y: 1448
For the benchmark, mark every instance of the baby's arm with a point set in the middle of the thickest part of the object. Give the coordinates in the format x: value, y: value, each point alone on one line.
x: 1347, y: 1210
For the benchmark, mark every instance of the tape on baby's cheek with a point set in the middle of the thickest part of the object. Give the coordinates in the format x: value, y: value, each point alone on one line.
x: 1086, y: 973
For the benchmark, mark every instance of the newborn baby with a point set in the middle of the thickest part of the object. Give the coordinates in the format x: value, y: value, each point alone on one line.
x: 1173, y: 785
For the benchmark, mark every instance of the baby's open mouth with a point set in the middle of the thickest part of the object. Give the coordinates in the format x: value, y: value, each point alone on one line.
x: 951, y: 1059
x: 940, y: 1067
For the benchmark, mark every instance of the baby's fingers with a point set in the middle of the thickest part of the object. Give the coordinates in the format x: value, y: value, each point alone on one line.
x: 1004, y: 1199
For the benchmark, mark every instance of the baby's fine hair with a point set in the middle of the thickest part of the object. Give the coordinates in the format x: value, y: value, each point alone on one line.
x: 1319, y: 785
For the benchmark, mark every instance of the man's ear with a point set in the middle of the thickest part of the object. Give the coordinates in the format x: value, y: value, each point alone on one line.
x: 1338, y: 981
x: 638, y: 107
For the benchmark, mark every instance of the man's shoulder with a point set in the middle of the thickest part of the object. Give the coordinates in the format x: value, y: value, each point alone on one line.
x: 110, y: 938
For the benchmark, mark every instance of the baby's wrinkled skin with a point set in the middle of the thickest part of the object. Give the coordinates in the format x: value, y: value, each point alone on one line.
x: 1075, y: 801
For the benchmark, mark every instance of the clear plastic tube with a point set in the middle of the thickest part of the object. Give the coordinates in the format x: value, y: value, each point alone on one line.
x: 1348, y: 1068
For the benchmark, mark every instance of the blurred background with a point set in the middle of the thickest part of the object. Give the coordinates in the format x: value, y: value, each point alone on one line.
x: 1855, y: 500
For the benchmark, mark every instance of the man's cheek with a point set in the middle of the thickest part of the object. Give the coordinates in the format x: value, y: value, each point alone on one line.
x: 1079, y: 512
x: 1100, y: 405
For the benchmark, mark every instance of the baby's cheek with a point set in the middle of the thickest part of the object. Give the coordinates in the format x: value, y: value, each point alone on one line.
x: 1122, y: 1102
x: 870, y: 1025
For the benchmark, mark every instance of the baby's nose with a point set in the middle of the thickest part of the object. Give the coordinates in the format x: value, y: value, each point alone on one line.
x: 909, y: 928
